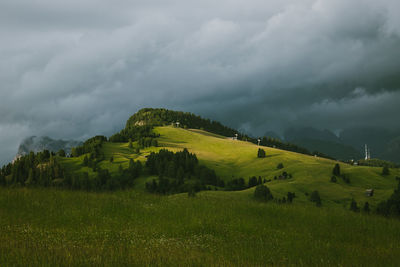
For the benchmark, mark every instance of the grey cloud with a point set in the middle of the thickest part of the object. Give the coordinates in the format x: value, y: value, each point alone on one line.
x: 78, y: 68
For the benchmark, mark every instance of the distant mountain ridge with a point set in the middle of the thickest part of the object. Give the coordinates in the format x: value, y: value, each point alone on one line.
x: 349, y: 144
x: 40, y: 143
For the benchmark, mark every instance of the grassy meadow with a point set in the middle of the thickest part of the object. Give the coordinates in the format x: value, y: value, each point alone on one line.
x: 54, y: 227
x: 50, y: 227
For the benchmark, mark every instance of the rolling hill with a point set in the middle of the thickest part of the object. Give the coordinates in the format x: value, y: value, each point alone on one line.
x: 234, y: 158
x: 64, y: 227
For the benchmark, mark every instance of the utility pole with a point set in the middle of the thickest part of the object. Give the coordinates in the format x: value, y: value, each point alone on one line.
x: 367, y: 152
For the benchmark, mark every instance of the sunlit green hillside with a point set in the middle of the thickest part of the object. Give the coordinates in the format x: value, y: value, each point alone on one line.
x: 64, y: 227
x: 234, y: 159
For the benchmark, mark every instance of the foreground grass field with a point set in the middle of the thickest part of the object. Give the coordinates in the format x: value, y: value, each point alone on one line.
x: 50, y: 227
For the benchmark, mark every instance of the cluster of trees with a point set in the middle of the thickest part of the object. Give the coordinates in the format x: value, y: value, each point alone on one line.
x: 354, y: 207
x: 33, y: 169
x: 179, y: 172
x: 44, y: 169
x: 92, y: 145
x: 288, y: 199
x: 134, y: 133
x: 103, y: 180
x: 240, y: 183
x: 285, y: 175
x: 276, y: 143
x: 377, y: 163
x: 147, y: 142
x: 391, y: 207
x: 262, y: 193
x: 253, y: 181
x: 90, y: 161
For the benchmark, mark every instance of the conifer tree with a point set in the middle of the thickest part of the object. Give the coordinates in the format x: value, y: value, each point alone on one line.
x: 366, y: 207
x: 314, y: 197
x: 353, y: 206
x: 385, y: 170
x: 261, y: 153
x: 30, y: 181
x: 130, y: 143
x: 336, y: 170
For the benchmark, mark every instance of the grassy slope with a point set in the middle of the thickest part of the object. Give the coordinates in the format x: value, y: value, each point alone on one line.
x: 71, y: 228
x: 238, y: 159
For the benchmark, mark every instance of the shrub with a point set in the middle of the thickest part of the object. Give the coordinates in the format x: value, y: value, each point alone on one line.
x: 262, y: 193
x: 345, y: 178
x: 261, y: 153
x: 385, y: 170
x: 366, y: 207
x: 290, y: 196
x: 333, y: 179
x: 280, y: 166
x: 253, y: 181
x: 314, y: 197
x: 353, y: 206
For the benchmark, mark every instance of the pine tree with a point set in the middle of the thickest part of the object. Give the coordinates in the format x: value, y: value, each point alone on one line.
x: 385, y: 170
x: 2, y: 179
x: 353, y: 206
x: 336, y: 170
x: 262, y: 193
x: 261, y: 153
x: 314, y: 197
x: 131, y: 164
x: 30, y: 180
x: 85, y: 161
x: 366, y: 207
x: 253, y: 181
x: 290, y: 196
x: 130, y: 143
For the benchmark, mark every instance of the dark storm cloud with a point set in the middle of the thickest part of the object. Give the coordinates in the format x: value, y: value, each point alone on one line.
x: 72, y: 69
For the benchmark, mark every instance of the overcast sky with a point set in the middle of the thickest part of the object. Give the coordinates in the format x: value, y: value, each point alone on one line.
x: 73, y: 69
